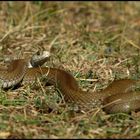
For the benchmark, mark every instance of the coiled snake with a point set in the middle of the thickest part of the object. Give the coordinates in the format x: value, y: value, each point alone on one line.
x: 114, y: 98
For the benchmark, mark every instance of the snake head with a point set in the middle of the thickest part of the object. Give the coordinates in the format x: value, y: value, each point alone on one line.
x: 39, y: 58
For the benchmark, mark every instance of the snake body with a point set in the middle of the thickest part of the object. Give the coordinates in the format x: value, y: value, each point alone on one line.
x: 13, y: 75
x: 117, y: 97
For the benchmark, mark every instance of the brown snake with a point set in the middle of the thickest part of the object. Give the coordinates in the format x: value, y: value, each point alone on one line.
x: 117, y: 97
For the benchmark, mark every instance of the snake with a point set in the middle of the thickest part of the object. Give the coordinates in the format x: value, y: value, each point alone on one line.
x: 117, y: 97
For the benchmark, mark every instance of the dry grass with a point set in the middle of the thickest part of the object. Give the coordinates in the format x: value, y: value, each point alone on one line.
x: 97, y: 41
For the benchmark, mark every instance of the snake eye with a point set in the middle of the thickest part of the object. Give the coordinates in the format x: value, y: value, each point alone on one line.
x: 38, y: 52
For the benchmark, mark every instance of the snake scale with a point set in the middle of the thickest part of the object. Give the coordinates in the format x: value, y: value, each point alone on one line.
x: 114, y: 98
